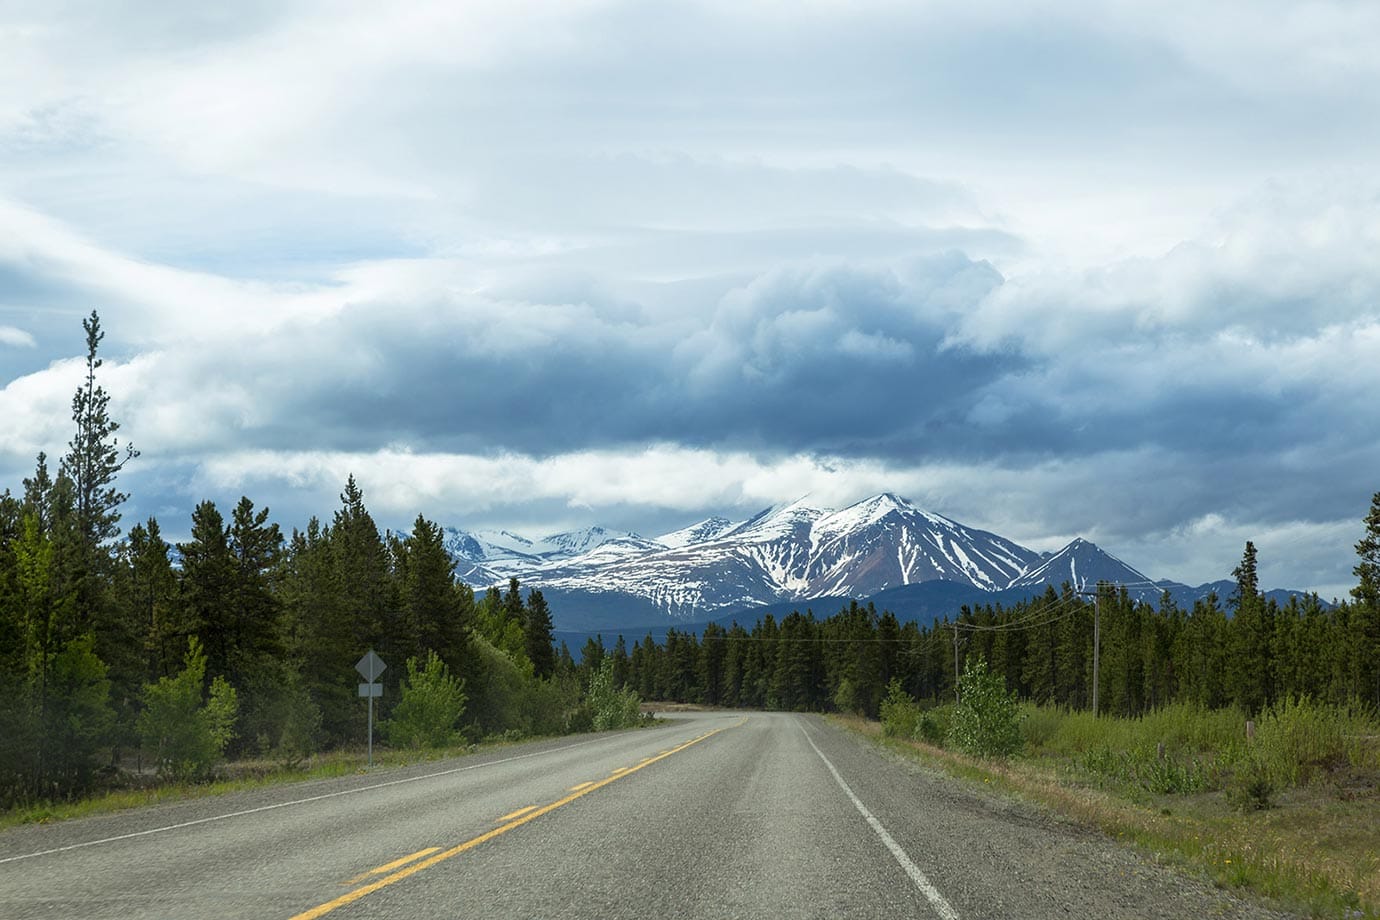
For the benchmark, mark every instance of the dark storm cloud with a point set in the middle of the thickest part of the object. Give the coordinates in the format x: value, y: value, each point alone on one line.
x: 829, y: 359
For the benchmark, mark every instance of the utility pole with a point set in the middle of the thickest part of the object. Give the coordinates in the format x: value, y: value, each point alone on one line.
x: 1097, y: 639
x: 956, y: 699
x: 1097, y: 644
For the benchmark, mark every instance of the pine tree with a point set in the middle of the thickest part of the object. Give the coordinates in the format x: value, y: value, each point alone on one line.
x: 360, y: 563
x: 150, y: 589
x: 1366, y: 641
x: 436, y: 609
x: 207, y: 588
x: 94, y: 456
x: 540, y: 650
x: 1250, y: 637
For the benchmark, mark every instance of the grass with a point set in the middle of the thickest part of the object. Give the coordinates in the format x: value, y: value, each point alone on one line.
x: 1292, y: 815
x: 236, y: 776
x: 244, y: 775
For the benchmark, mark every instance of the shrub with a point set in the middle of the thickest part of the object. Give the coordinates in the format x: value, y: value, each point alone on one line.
x: 186, y: 733
x: 1252, y: 787
x: 431, y: 704
x: 1296, y: 737
x: 846, y: 697
x: 933, y: 726
x: 987, y: 720
x: 611, y: 707
x: 1144, y: 769
x: 900, y: 714
x: 79, y: 716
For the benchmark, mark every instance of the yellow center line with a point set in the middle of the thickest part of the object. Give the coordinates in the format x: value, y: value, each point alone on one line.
x: 579, y: 787
x: 516, y: 814
x: 389, y: 867
x: 352, y: 896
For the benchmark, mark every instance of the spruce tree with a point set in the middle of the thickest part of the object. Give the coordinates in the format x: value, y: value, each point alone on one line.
x: 540, y: 651
x: 94, y: 457
x: 1366, y: 641
x: 207, y: 588
x: 1250, y: 634
x: 150, y: 596
x: 436, y: 609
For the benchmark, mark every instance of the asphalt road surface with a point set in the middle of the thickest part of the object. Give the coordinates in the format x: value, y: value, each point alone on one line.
x: 713, y: 815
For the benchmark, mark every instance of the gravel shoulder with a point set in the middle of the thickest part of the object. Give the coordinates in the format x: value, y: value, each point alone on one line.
x: 997, y: 855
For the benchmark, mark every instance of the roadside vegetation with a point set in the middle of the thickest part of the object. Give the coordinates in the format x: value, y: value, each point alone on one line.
x: 1290, y: 811
x: 128, y: 663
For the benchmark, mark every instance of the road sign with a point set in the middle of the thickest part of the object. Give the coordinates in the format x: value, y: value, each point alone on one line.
x: 370, y: 666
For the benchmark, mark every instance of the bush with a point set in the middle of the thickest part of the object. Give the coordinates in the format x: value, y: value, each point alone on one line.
x: 987, y: 721
x: 933, y: 726
x: 1251, y: 787
x: 79, y: 716
x: 1297, y: 737
x: 186, y: 733
x: 611, y: 707
x: 900, y: 714
x: 430, y: 707
x: 1143, y: 768
x: 1040, y: 724
x: 846, y: 697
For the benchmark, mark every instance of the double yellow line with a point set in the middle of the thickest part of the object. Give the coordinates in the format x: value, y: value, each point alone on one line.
x: 518, y: 819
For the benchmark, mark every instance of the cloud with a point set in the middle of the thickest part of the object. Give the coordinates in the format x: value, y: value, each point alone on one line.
x: 16, y: 338
x: 1051, y: 268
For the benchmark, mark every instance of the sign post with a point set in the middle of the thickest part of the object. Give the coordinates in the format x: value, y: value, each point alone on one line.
x: 370, y: 667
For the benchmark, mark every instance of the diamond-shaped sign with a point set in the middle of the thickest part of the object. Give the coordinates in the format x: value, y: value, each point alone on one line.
x: 370, y: 666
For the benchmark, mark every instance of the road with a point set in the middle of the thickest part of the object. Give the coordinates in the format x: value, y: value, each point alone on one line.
x: 712, y: 815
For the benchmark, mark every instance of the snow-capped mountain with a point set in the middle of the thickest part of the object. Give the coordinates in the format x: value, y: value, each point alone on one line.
x: 1083, y: 565
x: 704, y: 531
x: 885, y: 541
x: 790, y: 552
x: 489, y: 556
x: 909, y: 558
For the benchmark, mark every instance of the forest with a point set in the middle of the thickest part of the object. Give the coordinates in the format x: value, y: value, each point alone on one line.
x: 120, y: 648
x: 1246, y: 652
x: 124, y: 649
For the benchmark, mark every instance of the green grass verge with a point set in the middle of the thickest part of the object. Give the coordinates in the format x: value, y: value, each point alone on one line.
x: 240, y: 776
x: 1315, y: 849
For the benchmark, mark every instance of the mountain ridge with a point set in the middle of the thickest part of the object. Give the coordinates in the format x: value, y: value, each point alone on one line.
x: 793, y: 553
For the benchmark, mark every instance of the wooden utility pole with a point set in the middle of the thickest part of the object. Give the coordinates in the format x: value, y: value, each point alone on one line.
x: 956, y: 699
x: 1097, y: 640
x: 1097, y: 645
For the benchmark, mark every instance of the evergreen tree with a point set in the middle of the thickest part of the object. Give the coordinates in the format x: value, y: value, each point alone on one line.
x: 437, y: 609
x: 94, y: 457
x: 208, y: 588
x: 317, y: 630
x: 539, y: 645
x: 1251, y: 634
x: 713, y: 651
x: 1366, y: 640
x: 360, y: 563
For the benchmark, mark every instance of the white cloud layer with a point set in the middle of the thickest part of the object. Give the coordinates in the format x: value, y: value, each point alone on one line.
x: 1052, y: 269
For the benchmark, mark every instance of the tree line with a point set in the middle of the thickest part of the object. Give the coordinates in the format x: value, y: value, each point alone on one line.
x: 110, y: 646
x: 1248, y: 652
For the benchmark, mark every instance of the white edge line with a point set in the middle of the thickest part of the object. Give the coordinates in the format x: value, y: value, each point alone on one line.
x: 314, y: 798
x: 941, y: 906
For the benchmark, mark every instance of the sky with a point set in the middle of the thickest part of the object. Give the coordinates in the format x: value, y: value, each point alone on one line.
x: 1086, y: 268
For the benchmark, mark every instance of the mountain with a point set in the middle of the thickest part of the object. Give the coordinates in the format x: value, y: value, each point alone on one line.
x: 913, y: 562
x: 885, y: 542
x: 785, y: 553
x: 702, y: 532
x: 1082, y: 565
